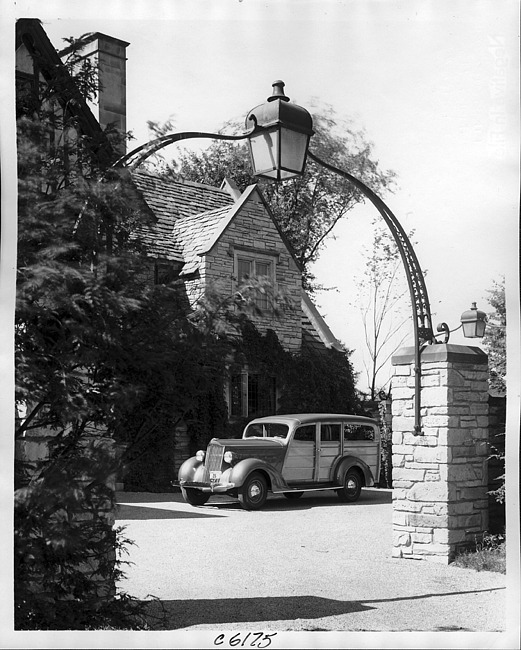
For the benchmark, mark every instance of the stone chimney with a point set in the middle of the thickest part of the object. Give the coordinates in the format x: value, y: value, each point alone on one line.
x: 108, y: 55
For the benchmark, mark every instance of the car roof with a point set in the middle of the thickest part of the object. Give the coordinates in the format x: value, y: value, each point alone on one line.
x: 306, y: 418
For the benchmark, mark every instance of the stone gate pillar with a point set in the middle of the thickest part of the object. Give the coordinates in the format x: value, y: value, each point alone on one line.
x: 440, y: 498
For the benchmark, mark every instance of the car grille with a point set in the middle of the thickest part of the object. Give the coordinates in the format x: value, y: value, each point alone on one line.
x: 214, y: 458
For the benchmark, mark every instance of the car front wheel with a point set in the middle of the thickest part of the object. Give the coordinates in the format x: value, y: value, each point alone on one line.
x: 194, y: 497
x: 254, y: 492
x: 350, y: 490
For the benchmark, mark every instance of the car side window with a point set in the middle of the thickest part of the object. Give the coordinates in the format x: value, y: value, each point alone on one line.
x: 358, y: 432
x: 305, y: 433
x: 330, y: 432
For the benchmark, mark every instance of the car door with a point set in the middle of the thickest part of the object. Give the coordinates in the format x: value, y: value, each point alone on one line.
x: 299, y: 464
x: 328, y: 449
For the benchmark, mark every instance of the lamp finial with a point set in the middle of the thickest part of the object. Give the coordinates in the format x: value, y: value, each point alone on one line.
x: 278, y: 91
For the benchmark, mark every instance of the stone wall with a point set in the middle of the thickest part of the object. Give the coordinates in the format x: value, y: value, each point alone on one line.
x: 253, y: 232
x: 440, y: 498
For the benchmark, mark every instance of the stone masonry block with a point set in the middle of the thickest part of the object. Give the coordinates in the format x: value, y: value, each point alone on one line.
x: 429, y: 454
x: 423, y: 466
x: 404, y: 371
x: 465, y: 472
x: 430, y: 380
x: 401, y: 392
x: 402, y: 474
x: 428, y: 521
x: 397, y: 438
x: 435, y: 396
x: 437, y: 421
x: 403, y: 424
x: 429, y: 492
x: 431, y: 549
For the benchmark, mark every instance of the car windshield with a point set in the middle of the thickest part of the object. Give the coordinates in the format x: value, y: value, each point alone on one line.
x: 266, y: 430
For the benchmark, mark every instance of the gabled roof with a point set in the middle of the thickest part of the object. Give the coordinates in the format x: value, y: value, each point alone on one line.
x: 190, y: 219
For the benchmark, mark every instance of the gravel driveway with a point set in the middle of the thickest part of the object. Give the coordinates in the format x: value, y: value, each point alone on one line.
x: 312, y: 564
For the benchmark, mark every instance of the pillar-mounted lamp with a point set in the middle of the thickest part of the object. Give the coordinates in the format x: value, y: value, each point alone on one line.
x: 280, y: 138
x: 473, y: 322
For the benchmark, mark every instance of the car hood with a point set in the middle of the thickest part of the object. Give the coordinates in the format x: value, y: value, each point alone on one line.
x: 249, y: 443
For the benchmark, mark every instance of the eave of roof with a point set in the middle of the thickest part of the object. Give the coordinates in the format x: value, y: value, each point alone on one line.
x: 320, y: 330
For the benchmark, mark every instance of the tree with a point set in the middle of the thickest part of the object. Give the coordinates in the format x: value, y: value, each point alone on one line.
x: 306, y: 208
x: 101, y: 356
x: 495, y: 338
x: 495, y: 345
x: 381, y: 299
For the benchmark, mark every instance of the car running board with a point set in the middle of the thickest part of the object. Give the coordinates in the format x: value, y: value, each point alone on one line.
x: 307, y: 489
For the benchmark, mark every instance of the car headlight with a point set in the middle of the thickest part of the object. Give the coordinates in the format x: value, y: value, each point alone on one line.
x: 229, y: 457
x: 200, y: 455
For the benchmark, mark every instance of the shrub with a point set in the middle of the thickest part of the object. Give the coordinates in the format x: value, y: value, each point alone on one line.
x: 488, y: 554
x: 67, y: 555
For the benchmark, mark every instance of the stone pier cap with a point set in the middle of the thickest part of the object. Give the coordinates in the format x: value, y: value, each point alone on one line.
x: 449, y: 352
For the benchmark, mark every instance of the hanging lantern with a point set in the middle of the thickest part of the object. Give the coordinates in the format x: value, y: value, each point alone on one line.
x: 279, y: 143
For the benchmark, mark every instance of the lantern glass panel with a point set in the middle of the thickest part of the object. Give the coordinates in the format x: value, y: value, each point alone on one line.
x: 293, y: 151
x: 480, y: 329
x: 469, y: 330
x: 264, y: 147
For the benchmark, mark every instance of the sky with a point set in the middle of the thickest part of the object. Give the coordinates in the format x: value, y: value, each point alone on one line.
x: 434, y: 85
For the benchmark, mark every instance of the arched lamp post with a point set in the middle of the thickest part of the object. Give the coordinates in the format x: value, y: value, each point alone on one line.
x: 278, y: 134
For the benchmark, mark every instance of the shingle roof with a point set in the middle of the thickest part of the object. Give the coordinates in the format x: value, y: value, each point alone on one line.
x: 171, y: 201
x: 195, y: 232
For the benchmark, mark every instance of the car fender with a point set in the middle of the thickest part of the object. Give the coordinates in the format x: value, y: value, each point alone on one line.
x: 352, y: 461
x: 245, y: 467
x: 192, y: 470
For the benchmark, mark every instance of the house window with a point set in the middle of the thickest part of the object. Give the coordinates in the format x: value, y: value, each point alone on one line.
x: 252, y: 266
x: 164, y: 273
x: 252, y: 395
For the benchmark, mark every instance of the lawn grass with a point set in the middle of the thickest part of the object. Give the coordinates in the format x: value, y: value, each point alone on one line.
x: 488, y: 555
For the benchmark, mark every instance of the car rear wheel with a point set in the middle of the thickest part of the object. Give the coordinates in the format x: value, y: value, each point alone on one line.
x: 254, y: 492
x: 350, y: 490
x: 293, y: 495
x: 194, y: 497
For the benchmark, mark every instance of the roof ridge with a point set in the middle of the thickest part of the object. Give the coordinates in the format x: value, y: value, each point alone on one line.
x: 175, y: 181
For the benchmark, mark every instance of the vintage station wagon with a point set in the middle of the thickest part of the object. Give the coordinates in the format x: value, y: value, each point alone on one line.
x: 289, y: 455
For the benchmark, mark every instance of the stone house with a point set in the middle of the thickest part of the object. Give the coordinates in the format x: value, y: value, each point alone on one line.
x: 205, y: 236
x: 215, y: 237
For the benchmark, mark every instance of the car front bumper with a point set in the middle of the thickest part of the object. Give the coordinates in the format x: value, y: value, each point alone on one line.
x: 207, y: 487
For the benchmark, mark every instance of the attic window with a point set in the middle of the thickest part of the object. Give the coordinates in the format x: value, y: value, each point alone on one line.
x: 258, y: 266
